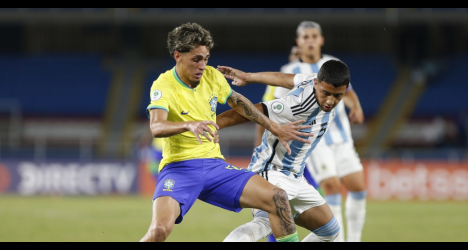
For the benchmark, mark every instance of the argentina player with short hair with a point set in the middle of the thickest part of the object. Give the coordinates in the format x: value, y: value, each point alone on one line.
x: 312, y: 98
x: 334, y: 160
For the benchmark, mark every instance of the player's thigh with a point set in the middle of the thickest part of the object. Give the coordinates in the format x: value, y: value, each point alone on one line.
x: 259, y: 193
x: 354, y: 182
x: 315, y: 217
x: 165, y: 211
x: 183, y: 181
x: 308, y: 206
x: 306, y: 196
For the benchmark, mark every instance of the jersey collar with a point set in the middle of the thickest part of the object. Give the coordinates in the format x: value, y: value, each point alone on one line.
x: 176, y: 76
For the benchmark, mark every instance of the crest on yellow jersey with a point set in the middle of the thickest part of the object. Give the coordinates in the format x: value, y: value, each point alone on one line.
x: 213, y: 103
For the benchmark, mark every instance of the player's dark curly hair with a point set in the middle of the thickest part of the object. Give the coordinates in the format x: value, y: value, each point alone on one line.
x: 187, y: 37
x: 334, y: 72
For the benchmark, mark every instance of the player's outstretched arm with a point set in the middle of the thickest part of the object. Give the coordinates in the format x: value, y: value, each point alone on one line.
x: 351, y: 100
x: 161, y: 127
x: 241, y: 78
x: 284, y: 133
x: 231, y: 117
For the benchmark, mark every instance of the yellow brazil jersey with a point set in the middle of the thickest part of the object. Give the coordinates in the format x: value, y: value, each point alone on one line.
x: 183, y: 104
x: 268, y: 96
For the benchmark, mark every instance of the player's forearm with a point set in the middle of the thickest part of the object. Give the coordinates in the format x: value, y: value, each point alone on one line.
x: 230, y: 118
x: 160, y: 129
x: 272, y: 78
x: 249, y: 111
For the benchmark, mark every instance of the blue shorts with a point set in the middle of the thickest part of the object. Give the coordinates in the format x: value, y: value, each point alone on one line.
x: 213, y: 181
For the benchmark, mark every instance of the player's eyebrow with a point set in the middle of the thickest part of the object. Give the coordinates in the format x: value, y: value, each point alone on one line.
x: 201, y: 56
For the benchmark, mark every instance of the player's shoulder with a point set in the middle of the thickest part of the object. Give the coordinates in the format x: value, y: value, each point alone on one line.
x: 304, y: 79
x: 212, y: 72
x: 165, y: 80
x: 289, y: 66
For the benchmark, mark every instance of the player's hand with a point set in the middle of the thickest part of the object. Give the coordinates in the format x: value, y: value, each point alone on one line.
x: 216, y: 138
x: 356, y: 116
x: 291, y: 131
x: 200, y: 128
x: 238, y: 77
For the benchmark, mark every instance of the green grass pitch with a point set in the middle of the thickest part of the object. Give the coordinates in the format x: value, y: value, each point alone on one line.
x: 126, y: 219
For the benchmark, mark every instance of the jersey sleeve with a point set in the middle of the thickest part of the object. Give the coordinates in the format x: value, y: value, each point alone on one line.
x: 225, y: 89
x: 279, y: 110
x: 304, y: 78
x: 161, y: 97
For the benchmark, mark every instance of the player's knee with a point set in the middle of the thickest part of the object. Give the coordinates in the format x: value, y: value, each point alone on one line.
x: 330, y: 187
x: 279, y: 201
x: 159, y: 232
x: 329, y: 231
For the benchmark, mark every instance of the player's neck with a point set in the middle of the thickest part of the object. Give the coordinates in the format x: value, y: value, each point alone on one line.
x: 186, y: 81
x: 311, y: 58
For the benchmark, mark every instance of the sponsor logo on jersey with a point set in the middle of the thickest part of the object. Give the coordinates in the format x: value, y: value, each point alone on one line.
x: 184, y: 113
x: 156, y: 95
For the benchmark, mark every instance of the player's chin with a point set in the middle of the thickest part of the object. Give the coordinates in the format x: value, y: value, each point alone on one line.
x: 327, y: 108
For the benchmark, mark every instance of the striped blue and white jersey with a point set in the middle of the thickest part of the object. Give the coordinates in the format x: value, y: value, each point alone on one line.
x: 298, y: 104
x: 340, y: 129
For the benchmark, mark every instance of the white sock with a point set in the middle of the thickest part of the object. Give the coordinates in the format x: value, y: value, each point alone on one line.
x: 253, y: 231
x: 334, y: 202
x: 355, y: 211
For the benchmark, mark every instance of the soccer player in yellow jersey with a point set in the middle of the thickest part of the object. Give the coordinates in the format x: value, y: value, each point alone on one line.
x: 183, y: 112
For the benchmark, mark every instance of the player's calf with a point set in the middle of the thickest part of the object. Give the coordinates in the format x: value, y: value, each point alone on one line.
x: 253, y: 231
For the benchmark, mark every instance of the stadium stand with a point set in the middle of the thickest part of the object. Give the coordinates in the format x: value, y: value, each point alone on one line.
x: 55, y: 85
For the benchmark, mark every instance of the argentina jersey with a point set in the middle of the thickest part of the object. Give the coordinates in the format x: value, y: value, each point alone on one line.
x: 340, y: 129
x: 298, y: 104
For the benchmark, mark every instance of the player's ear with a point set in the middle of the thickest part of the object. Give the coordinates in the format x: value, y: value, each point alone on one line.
x: 323, y: 40
x: 177, y: 56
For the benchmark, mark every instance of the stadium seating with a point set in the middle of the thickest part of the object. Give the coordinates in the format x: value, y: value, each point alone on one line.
x: 55, y: 85
x: 77, y: 85
x: 445, y: 96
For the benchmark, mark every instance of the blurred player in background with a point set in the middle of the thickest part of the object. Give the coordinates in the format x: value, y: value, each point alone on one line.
x: 313, y: 97
x: 183, y: 112
x: 150, y: 154
x: 150, y: 150
x: 334, y: 160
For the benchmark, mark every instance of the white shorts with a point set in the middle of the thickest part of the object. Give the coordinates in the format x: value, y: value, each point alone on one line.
x: 302, y: 196
x: 338, y: 160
